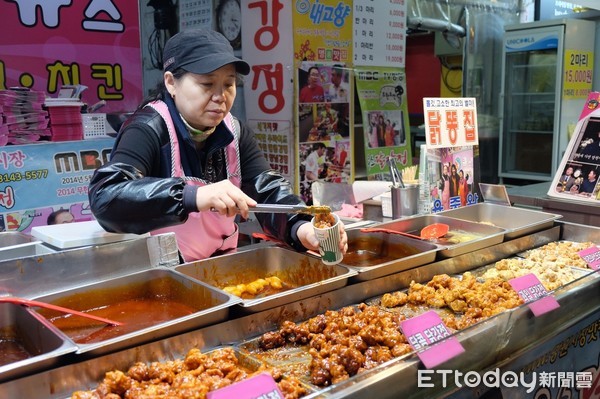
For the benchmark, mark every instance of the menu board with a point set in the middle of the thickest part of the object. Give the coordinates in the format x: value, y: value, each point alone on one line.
x: 379, y: 33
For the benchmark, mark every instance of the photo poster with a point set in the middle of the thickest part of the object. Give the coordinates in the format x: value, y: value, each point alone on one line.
x: 324, y: 121
x: 268, y: 91
x: 382, y: 95
x: 58, y: 43
x: 577, y: 175
x: 39, y: 179
x: 451, y: 160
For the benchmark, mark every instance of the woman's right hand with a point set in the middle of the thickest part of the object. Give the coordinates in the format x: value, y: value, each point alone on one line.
x: 223, y: 197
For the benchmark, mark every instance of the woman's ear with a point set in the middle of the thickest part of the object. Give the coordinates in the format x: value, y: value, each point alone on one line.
x: 169, y: 80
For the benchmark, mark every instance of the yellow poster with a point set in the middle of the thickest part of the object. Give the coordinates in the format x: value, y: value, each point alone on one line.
x: 579, y: 67
x: 324, y: 93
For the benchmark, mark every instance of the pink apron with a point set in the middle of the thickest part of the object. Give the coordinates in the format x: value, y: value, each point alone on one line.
x: 203, y: 233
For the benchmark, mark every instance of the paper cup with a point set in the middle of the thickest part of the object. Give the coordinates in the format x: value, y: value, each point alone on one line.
x: 329, y: 242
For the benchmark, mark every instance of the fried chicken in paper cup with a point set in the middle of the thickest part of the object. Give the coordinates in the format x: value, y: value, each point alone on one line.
x: 328, y: 233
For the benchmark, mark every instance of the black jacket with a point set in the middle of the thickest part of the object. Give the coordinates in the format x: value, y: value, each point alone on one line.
x: 134, y: 193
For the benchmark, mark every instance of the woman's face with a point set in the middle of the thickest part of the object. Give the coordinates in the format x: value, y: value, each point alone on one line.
x: 314, y: 77
x: 203, y: 100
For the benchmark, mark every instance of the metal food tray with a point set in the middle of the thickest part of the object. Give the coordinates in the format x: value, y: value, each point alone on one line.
x: 378, y: 254
x: 20, y: 251
x: 10, y: 238
x: 212, y: 306
x: 39, y: 341
x: 488, y: 235
x: 516, y: 221
x: 486, y: 343
x: 306, y: 274
x: 525, y: 254
x: 578, y: 272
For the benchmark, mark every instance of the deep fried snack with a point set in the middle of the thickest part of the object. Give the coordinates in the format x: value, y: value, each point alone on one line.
x: 343, y: 343
x: 467, y: 299
x: 259, y: 286
x: 192, y: 377
x: 324, y: 220
x: 551, y: 274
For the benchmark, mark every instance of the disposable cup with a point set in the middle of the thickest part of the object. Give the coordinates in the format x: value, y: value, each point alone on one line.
x: 329, y: 242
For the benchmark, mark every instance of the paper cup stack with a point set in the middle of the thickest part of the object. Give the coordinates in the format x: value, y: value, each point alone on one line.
x: 329, y: 242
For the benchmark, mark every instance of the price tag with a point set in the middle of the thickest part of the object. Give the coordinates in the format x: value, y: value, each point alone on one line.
x: 261, y: 386
x: 591, y: 256
x: 531, y: 290
x: 424, y: 330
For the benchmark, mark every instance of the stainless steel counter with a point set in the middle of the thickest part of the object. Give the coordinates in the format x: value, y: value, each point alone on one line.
x: 485, y: 343
x: 535, y: 196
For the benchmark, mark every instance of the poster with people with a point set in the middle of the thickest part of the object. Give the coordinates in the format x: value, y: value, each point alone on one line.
x: 59, y: 170
x: 322, y: 34
x: 382, y: 95
x: 577, y: 176
x: 324, y: 120
x: 449, y: 167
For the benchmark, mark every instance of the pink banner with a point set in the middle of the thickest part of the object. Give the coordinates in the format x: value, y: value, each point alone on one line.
x: 53, y: 43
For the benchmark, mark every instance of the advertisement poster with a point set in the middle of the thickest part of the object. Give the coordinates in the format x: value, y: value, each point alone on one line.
x: 449, y: 168
x: 382, y: 95
x: 322, y: 32
x: 577, y: 177
x: 38, y: 179
x: 57, y: 43
x: 268, y: 90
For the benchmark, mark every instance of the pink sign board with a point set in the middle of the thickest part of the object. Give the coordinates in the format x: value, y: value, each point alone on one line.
x: 427, y: 329
x: 54, y: 43
x: 591, y: 256
x: 531, y: 290
x: 262, y: 386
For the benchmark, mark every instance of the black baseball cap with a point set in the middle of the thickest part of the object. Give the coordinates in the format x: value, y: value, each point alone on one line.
x: 200, y: 51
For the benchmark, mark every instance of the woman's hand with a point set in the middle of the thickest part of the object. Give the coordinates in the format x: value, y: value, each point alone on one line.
x: 306, y: 235
x: 223, y: 197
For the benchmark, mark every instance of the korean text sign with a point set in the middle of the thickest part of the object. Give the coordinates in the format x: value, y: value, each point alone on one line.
x: 450, y: 122
x: 53, y: 43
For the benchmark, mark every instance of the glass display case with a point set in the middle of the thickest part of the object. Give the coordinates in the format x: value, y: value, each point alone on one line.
x: 544, y: 89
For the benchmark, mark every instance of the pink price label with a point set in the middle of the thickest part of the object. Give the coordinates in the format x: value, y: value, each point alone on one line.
x: 591, y: 256
x: 427, y: 329
x: 261, y: 386
x: 531, y: 290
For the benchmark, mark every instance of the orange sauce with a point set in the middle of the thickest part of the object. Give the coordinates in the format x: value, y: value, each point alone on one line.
x: 135, y: 314
x: 11, y: 350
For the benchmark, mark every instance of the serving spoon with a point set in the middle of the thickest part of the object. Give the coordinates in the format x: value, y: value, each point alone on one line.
x: 430, y: 232
x: 33, y: 303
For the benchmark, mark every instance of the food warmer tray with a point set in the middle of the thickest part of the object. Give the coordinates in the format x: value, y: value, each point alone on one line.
x: 486, y: 343
x: 63, y: 270
x: 483, y: 235
x: 306, y: 275
x: 200, y: 305
x: 30, y: 341
x: 376, y: 254
x: 10, y: 238
x: 516, y: 221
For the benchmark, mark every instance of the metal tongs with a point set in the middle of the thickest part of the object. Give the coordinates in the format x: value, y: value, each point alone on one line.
x: 395, y: 172
x: 277, y: 208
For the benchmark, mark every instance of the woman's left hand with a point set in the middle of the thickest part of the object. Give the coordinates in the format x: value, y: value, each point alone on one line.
x: 306, y: 235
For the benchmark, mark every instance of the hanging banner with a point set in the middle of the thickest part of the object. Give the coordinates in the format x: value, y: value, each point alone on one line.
x: 382, y: 95
x: 92, y: 43
x: 268, y: 89
x: 324, y: 92
x: 37, y: 179
x: 379, y: 33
